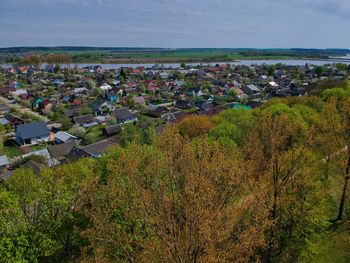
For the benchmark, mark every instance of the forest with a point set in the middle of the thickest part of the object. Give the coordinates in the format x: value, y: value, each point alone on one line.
x: 262, y: 185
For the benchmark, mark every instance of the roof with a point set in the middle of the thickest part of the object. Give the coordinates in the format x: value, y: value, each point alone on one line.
x: 139, y: 100
x: 123, y: 114
x: 4, y: 160
x: 253, y: 87
x: 90, y: 124
x: 61, y: 150
x: 98, y: 148
x: 64, y: 136
x: 114, y: 129
x: 238, y: 106
x: 100, y: 119
x: 10, y: 117
x: 32, y: 130
x: 83, y: 119
x: 4, y: 107
x: 4, y: 122
x: 175, y: 116
x: 70, y: 113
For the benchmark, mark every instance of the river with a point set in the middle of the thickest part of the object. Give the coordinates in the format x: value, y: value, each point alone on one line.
x: 243, y: 62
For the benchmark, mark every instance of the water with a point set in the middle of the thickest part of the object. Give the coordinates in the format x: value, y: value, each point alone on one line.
x: 243, y: 62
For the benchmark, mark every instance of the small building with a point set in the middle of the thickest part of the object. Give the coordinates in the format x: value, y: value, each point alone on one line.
x: 63, y: 137
x: 83, y: 120
x: 94, y: 150
x: 124, y: 116
x: 174, y: 117
x: 4, y: 109
x: 32, y: 133
x: 250, y: 89
x: 140, y: 100
x: 113, y: 130
x: 12, y: 120
x: 101, y: 106
x: 100, y: 119
x: 60, y: 152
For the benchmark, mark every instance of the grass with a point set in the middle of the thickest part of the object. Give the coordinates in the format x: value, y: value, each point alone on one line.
x: 11, y: 151
x: 334, y: 246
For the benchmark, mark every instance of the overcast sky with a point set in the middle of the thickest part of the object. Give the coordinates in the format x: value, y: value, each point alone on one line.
x: 176, y: 23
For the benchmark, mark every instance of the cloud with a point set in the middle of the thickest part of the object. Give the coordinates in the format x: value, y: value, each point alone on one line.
x: 176, y: 23
x: 338, y: 7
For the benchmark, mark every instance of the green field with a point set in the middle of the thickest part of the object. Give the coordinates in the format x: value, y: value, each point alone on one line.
x: 159, y: 55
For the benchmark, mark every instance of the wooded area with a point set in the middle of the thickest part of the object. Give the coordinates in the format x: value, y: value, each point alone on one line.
x: 263, y: 185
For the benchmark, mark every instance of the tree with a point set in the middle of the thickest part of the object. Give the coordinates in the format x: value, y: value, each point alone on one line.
x: 45, y: 208
x: 319, y: 70
x: 271, y: 70
x: 244, y: 120
x: 195, y: 126
x: 14, y: 244
x: 149, y: 135
x: 130, y: 133
x: 337, y: 116
x: 280, y: 161
x: 197, y: 209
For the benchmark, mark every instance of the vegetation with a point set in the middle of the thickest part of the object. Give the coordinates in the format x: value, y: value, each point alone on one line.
x: 263, y: 185
x: 59, y: 55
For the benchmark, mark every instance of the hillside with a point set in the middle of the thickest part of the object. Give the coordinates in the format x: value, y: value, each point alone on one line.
x: 268, y: 185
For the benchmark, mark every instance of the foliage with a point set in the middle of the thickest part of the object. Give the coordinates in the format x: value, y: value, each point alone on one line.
x: 257, y: 185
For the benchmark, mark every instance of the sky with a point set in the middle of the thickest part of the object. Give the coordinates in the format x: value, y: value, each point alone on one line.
x: 176, y: 23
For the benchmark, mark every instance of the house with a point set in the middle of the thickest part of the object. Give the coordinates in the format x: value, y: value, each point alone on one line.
x: 100, y: 119
x: 174, y: 117
x: 22, y: 70
x: 32, y: 133
x: 111, y: 97
x: 58, y: 82
x: 63, y: 137
x: 59, y: 152
x: 70, y: 113
x: 211, y: 111
x: 250, y: 89
x: 124, y: 116
x: 81, y: 90
x: 83, y: 119
x: 105, y: 87
x: 140, y: 100
x: 4, y: 163
x: 101, y: 106
x: 184, y: 104
x: 113, y: 130
x: 156, y: 111
x: 11, y: 120
x: 38, y: 104
x: 94, y: 150
x: 4, y: 109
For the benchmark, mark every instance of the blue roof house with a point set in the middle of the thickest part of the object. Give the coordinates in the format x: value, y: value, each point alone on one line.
x: 32, y: 133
